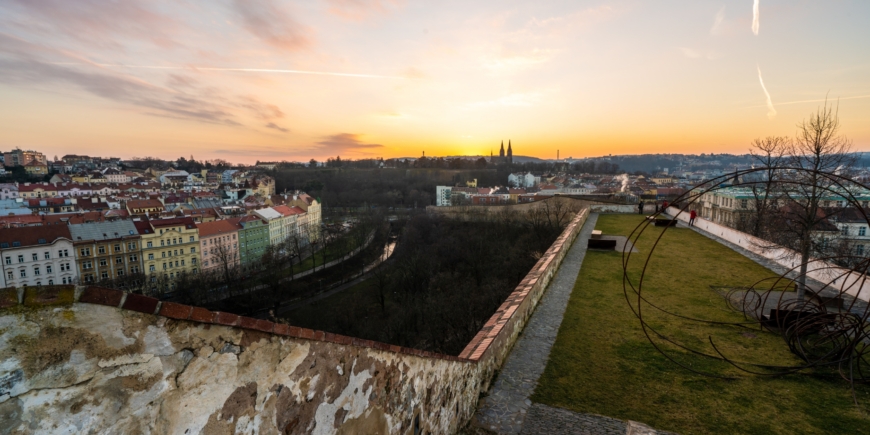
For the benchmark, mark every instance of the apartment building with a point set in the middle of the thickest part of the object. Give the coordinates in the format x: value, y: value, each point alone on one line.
x: 106, y: 250
x: 37, y: 255
x: 170, y: 247
x: 219, y: 244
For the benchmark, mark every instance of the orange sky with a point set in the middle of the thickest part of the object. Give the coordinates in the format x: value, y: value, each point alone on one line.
x: 270, y: 80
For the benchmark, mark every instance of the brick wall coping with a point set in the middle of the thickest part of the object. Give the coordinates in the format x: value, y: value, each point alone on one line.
x: 66, y: 295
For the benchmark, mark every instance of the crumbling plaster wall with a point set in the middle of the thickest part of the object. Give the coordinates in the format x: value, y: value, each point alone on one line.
x: 84, y: 368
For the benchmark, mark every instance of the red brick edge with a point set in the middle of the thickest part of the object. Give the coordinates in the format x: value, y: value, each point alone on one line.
x: 56, y: 295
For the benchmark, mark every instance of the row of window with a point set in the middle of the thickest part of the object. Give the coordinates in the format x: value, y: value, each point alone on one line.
x: 86, y: 252
x: 176, y: 252
x: 862, y: 231
x: 153, y: 268
x: 65, y: 280
x: 105, y: 262
x: 35, y: 257
x: 173, y: 241
x: 37, y: 271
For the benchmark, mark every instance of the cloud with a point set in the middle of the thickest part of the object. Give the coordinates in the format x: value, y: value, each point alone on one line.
x: 346, y: 143
x: 698, y: 54
x: 183, y: 98
x: 755, y: 17
x: 266, y: 20
x: 717, y: 22
x: 98, y: 22
x: 771, y: 111
x: 277, y: 127
x: 357, y: 10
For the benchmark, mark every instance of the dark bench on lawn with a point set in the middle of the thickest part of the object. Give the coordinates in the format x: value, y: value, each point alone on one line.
x: 786, y: 318
x: 608, y: 244
x: 666, y: 222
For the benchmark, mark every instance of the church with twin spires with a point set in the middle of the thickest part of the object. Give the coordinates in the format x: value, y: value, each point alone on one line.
x: 502, y: 158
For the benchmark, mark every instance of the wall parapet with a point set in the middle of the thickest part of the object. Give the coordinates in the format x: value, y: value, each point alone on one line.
x: 856, y: 285
x: 108, y: 352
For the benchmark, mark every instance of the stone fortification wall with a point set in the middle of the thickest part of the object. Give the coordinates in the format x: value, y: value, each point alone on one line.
x: 856, y: 285
x: 94, y: 360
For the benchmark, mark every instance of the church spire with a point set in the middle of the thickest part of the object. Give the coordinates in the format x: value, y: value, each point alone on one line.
x: 510, y: 153
x: 501, y: 151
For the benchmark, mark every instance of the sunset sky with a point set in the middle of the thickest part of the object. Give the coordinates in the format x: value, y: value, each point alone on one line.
x: 247, y: 80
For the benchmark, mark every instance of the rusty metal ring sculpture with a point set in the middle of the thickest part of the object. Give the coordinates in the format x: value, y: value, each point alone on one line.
x: 819, y: 336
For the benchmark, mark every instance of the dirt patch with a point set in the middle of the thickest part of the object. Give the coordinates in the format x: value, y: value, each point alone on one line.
x: 373, y: 421
x: 54, y: 345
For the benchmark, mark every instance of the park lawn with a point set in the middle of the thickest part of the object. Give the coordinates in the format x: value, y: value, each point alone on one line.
x: 602, y: 363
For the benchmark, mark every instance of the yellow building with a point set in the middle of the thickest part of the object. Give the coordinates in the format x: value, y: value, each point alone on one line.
x: 170, y: 248
x: 36, y: 167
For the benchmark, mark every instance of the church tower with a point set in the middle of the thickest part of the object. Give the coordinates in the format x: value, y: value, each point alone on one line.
x: 501, y: 153
x: 510, y: 153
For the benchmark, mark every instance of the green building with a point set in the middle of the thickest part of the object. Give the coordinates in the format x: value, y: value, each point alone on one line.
x: 253, y: 240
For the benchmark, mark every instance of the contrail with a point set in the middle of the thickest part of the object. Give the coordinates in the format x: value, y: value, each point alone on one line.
x: 755, y: 18
x: 260, y: 70
x: 771, y: 112
x: 856, y: 97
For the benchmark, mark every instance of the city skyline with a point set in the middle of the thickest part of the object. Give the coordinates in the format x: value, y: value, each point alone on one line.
x: 268, y: 80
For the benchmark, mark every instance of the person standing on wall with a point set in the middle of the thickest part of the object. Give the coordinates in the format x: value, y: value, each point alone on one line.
x: 665, y: 206
x: 640, y: 208
x: 692, y: 216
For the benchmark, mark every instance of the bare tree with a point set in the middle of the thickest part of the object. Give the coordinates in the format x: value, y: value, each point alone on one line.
x: 818, y: 151
x: 769, y: 153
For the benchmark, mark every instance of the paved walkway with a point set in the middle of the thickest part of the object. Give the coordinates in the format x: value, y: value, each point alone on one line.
x: 505, y: 408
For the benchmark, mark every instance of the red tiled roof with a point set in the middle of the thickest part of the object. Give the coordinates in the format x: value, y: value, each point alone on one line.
x: 207, y: 229
x: 31, y: 236
x: 144, y: 203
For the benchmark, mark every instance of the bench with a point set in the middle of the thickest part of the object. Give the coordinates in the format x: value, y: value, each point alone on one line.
x: 666, y: 222
x: 596, y: 234
x: 607, y: 244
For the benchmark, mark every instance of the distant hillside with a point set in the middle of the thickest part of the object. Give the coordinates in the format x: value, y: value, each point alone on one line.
x: 517, y: 159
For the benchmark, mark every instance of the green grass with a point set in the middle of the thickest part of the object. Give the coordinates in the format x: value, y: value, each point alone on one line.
x: 602, y: 363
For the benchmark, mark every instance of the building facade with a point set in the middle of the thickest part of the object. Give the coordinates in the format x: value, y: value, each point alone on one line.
x: 106, y: 250
x: 253, y: 240
x: 219, y: 244
x: 37, y: 255
x: 170, y: 247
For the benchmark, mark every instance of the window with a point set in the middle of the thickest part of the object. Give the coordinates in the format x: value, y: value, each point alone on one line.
x: 151, y: 268
x: 34, y: 256
x: 119, y: 260
x: 164, y: 266
x: 21, y: 259
x: 194, y: 271
x: 134, y: 269
x: 101, y: 250
x: 150, y: 256
x: 23, y: 273
x: 89, y: 278
x: 193, y: 261
x: 85, y: 252
x: 204, y: 263
x: 162, y: 243
x: 862, y: 231
x: 192, y: 250
x: 47, y: 255
x: 48, y: 269
x: 36, y: 270
x: 182, y: 262
x: 64, y: 280
x: 120, y: 273
x: 51, y: 282
x: 9, y: 274
x: 64, y: 253
x: 103, y: 262
x: 844, y: 231
x: 860, y: 249
x: 191, y: 238
x: 176, y: 263
x: 163, y: 254
x: 117, y: 247
x: 105, y: 275
x: 150, y: 244
x: 8, y: 260
x: 176, y: 252
x: 131, y: 245
x: 87, y: 265
x: 134, y: 258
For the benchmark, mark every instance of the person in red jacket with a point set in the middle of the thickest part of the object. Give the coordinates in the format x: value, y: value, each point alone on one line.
x: 665, y: 206
x: 692, y: 216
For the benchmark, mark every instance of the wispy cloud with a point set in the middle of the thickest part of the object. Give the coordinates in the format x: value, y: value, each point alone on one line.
x: 251, y: 70
x: 98, y: 22
x: 346, y: 143
x: 22, y: 64
x: 818, y: 100
x: 699, y: 54
x: 771, y: 111
x: 272, y: 24
x: 357, y: 10
x: 755, y: 17
x: 717, y: 22
x: 274, y: 126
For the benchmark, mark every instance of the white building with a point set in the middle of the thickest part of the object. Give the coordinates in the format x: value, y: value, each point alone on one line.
x: 37, y: 255
x: 442, y: 195
x: 523, y: 180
